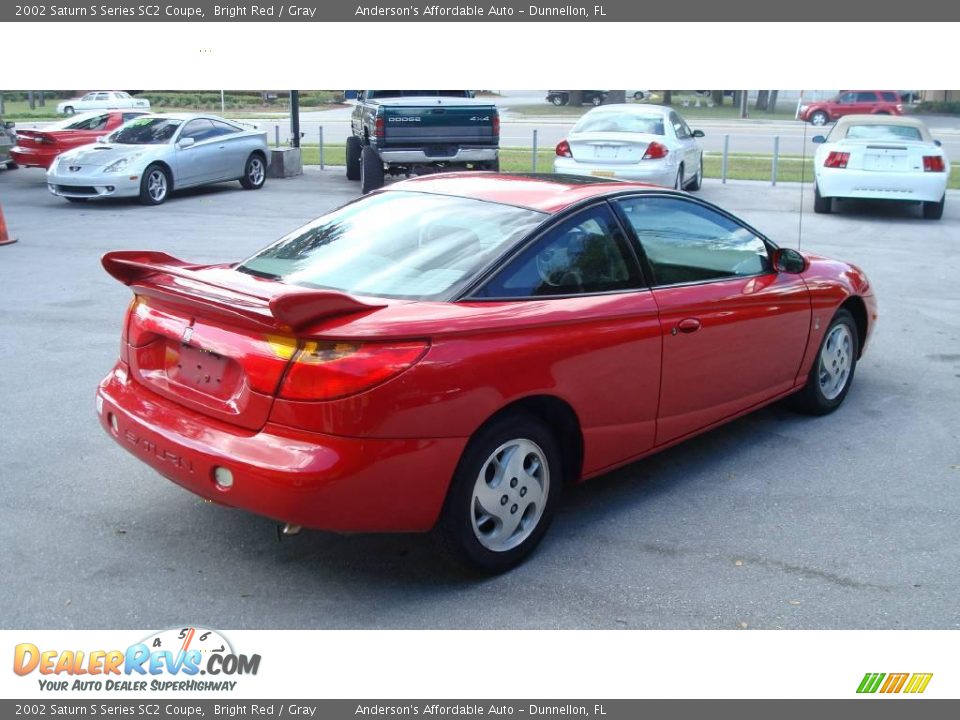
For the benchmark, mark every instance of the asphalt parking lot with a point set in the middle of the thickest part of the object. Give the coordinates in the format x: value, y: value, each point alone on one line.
x: 773, y: 521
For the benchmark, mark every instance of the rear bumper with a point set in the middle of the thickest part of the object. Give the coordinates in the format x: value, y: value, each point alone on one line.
x: 318, y: 481
x: 28, y: 157
x: 655, y: 172
x: 923, y: 187
x: 418, y: 156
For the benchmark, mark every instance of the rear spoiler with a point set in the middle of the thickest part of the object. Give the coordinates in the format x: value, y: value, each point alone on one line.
x: 292, y: 308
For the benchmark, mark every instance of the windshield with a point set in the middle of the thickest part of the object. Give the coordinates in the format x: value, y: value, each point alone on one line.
x: 146, y: 131
x: 396, y: 244
x: 883, y: 132
x: 615, y: 121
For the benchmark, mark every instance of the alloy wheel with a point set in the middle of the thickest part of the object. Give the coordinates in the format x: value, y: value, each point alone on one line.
x: 157, y: 185
x: 836, y: 360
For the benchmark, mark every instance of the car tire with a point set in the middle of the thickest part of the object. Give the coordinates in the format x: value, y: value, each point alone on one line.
x: 254, y: 172
x: 559, y: 100
x: 76, y: 200
x: 494, y: 166
x: 354, y: 148
x: 371, y: 170
x: 678, y: 183
x: 154, y: 185
x: 68, y: 110
x: 638, y: 95
x: 934, y: 210
x: 697, y: 181
x: 11, y: 165
x: 837, y: 354
x: 514, y: 465
x: 819, y: 118
x: 821, y: 205
x: 596, y: 100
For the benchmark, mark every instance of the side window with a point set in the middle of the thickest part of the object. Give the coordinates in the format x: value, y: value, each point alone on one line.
x: 223, y: 128
x: 88, y: 96
x: 586, y: 254
x: 127, y: 117
x: 687, y: 242
x: 866, y: 97
x: 889, y: 97
x: 679, y: 126
x: 848, y: 97
x: 102, y: 96
x: 198, y: 130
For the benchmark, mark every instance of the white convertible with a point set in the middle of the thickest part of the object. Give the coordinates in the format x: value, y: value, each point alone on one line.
x: 154, y: 154
x: 102, y: 100
x: 881, y: 157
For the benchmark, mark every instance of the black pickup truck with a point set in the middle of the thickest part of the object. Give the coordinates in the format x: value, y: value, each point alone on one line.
x: 414, y: 132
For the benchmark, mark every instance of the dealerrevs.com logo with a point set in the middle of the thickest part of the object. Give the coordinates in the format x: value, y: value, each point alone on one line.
x: 910, y: 683
x: 181, y: 659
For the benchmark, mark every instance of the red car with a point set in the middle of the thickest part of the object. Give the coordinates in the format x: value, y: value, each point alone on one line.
x: 453, y: 350
x: 851, y: 102
x: 39, y: 148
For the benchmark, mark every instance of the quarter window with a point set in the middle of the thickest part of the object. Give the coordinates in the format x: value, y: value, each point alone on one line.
x: 687, y: 242
x: 585, y: 254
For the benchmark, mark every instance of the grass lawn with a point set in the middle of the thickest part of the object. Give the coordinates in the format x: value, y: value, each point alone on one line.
x: 743, y: 166
x: 20, y: 110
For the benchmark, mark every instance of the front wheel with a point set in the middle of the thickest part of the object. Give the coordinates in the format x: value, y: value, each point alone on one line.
x: 934, y: 210
x: 597, y: 100
x: 68, y: 110
x: 819, y: 118
x: 558, y: 100
x: 832, y: 372
x: 154, y: 185
x: 354, y: 148
x: 371, y: 170
x: 503, y: 494
x: 254, y: 173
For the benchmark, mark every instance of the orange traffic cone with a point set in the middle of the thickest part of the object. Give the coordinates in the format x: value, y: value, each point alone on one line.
x: 5, y: 238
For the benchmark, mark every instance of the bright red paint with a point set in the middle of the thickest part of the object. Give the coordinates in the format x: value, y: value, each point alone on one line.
x: 864, y: 102
x: 39, y: 148
x: 641, y: 370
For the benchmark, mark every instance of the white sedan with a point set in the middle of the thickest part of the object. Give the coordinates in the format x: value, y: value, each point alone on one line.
x: 649, y: 143
x: 881, y: 157
x: 153, y: 155
x: 102, y: 100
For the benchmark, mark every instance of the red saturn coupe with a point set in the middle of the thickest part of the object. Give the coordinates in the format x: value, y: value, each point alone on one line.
x: 451, y: 351
x: 39, y: 148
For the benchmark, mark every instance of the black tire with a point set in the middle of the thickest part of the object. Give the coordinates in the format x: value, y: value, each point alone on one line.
x: 697, y: 181
x: 254, y: 172
x: 812, y: 399
x: 11, y: 165
x: 148, y: 195
x: 371, y: 170
x: 934, y: 210
x: 76, y: 200
x: 822, y: 205
x: 68, y: 110
x: 678, y: 183
x: 456, y: 529
x: 559, y: 100
x: 596, y: 100
x: 354, y: 147
x: 819, y: 118
x: 638, y: 95
x: 494, y: 166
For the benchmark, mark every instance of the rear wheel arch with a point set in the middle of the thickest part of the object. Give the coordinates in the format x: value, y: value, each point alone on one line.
x: 856, y: 307
x: 562, y: 420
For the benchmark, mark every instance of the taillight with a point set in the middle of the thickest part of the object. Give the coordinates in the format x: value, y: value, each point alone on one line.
x: 933, y: 163
x: 563, y: 149
x: 496, y: 124
x: 837, y: 159
x: 328, y: 370
x: 655, y: 151
x: 379, y: 128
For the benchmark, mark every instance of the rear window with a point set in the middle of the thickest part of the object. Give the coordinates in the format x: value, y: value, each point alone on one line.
x: 883, y: 132
x: 381, y: 94
x: 614, y: 121
x: 396, y: 244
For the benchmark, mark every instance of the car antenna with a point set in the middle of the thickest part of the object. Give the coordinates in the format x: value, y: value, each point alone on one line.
x: 803, y: 177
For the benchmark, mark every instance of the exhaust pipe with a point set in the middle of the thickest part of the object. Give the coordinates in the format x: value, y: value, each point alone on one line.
x: 288, y: 529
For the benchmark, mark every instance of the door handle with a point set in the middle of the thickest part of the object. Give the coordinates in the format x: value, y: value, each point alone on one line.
x: 687, y: 325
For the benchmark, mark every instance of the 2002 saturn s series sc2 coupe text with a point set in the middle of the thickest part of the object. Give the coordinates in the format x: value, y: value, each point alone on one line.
x: 451, y: 351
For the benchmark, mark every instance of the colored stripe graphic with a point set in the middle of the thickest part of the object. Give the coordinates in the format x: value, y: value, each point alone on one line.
x: 894, y: 682
x: 918, y: 683
x: 870, y: 682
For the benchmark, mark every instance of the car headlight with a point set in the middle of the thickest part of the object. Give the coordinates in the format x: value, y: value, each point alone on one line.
x: 119, y: 165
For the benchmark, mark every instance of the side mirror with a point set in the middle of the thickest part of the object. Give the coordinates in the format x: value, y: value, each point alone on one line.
x: 12, y: 125
x: 789, y: 260
x: 935, y: 142
x: 184, y: 143
x: 818, y: 139
x: 699, y: 133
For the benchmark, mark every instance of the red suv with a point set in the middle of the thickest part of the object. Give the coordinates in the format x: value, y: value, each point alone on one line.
x: 852, y: 102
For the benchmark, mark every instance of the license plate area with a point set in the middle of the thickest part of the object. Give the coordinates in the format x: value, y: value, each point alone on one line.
x: 200, y: 370
x: 884, y: 162
x: 602, y: 173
